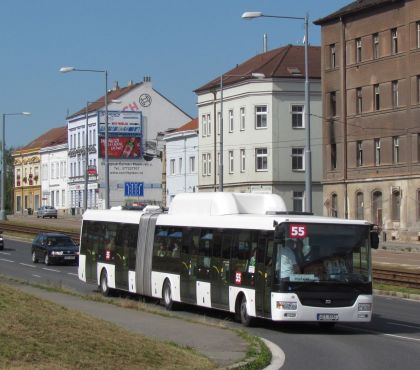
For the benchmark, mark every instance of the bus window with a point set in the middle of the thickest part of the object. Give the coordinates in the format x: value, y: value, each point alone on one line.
x: 242, y: 251
x: 227, y: 244
x: 217, y: 244
x: 190, y: 237
x: 160, y: 247
x: 205, y: 246
x: 174, y: 242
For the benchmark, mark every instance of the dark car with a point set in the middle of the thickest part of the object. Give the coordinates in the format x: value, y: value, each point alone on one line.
x: 46, y: 211
x: 54, y: 248
x: 1, y: 240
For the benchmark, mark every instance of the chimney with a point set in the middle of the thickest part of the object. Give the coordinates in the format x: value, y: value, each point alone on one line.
x: 130, y: 83
x: 265, y: 43
x: 115, y: 87
x: 147, y: 79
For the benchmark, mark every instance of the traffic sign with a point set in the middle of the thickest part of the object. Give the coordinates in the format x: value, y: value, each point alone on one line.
x: 133, y: 189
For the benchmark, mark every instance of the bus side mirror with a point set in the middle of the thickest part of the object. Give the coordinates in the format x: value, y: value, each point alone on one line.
x: 374, y: 239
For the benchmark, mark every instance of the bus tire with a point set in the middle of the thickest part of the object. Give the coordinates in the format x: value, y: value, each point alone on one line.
x: 246, y: 320
x: 103, y: 286
x: 167, y: 296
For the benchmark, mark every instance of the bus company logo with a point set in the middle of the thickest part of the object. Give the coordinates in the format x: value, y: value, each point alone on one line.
x: 238, y: 278
x: 108, y: 255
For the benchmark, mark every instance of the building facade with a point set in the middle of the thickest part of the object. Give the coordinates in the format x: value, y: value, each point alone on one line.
x: 128, y: 151
x: 181, y: 158
x: 263, y: 127
x: 371, y: 109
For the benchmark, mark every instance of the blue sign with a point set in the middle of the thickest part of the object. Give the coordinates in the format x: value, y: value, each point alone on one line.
x: 133, y: 189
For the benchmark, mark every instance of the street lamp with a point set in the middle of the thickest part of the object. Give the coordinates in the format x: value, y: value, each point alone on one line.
x: 73, y: 69
x: 3, y: 162
x: 308, y: 159
x: 254, y: 75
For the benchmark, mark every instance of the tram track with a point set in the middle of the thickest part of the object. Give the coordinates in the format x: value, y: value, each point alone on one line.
x: 34, y: 230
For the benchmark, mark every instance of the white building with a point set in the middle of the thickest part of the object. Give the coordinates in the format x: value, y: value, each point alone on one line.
x: 54, y: 174
x: 263, y: 127
x: 181, y: 160
x: 157, y: 115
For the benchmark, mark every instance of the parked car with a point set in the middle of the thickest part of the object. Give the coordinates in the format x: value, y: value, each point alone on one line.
x: 1, y: 240
x: 54, y: 248
x: 46, y: 211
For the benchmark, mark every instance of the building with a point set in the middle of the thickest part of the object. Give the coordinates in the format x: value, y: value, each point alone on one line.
x: 181, y: 154
x: 263, y: 127
x: 54, y: 172
x: 27, y: 165
x: 371, y: 109
x: 137, y: 113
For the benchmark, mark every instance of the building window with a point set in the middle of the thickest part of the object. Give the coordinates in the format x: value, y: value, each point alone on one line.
x: 208, y: 164
x: 396, y: 205
x: 358, y: 50
x: 242, y: 118
x: 333, y: 60
x: 172, y: 167
x: 192, y: 164
x: 394, y: 94
x: 208, y: 125
x: 396, y: 149
x: 418, y: 89
x: 418, y: 35
x: 333, y: 156
x: 230, y: 114
x: 204, y: 125
x: 204, y: 164
x: 261, y: 116
x: 375, y: 45
x: 180, y: 166
x: 334, y: 205
x: 333, y: 104
x: 261, y: 156
x: 359, y: 154
x: 377, y: 152
x: 231, y: 168
x: 394, y: 41
x: 219, y: 119
x: 298, y: 201
x: 359, y: 206
x: 242, y: 159
x: 359, y: 101
x: 298, y: 159
x: 377, y: 96
x: 297, y: 116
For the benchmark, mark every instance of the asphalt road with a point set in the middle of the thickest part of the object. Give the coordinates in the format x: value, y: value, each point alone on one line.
x: 390, y: 341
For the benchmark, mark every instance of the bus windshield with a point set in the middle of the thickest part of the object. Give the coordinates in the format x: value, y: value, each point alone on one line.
x: 323, y: 253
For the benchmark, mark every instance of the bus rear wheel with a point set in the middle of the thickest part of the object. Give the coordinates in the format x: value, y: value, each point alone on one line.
x: 167, y: 296
x: 104, y: 284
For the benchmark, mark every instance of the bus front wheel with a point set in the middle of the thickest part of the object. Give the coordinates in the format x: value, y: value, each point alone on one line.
x: 167, y: 296
x: 104, y: 284
x: 243, y: 315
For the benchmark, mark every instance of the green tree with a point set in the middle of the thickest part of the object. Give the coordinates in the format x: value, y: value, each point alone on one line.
x: 10, y: 180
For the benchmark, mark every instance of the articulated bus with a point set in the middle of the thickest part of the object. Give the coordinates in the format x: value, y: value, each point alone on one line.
x: 238, y: 252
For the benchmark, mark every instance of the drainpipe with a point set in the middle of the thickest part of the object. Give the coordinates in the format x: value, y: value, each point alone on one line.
x: 344, y: 113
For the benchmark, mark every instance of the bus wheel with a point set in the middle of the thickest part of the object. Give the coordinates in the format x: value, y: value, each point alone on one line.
x: 167, y: 296
x: 104, y: 284
x: 246, y: 320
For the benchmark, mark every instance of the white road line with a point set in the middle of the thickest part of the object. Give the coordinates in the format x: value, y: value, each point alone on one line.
x: 36, y: 276
x: 44, y: 268
x: 6, y: 253
x: 25, y: 264
x: 385, y: 334
x: 405, y: 325
x: 71, y: 273
x: 2, y: 259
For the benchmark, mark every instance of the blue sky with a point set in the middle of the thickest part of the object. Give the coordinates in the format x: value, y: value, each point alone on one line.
x: 180, y: 44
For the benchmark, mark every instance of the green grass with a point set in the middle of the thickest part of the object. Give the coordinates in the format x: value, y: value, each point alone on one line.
x: 395, y: 289
x: 38, y: 334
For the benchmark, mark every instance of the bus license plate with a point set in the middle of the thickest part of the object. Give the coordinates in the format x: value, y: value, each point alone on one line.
x: 69, y: 257
x: 327, y: 317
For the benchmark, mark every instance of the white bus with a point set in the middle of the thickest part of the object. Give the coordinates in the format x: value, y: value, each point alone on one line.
x: 239, y: 252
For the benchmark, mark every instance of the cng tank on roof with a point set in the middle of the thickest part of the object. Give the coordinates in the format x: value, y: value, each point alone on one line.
x: 225, y: 203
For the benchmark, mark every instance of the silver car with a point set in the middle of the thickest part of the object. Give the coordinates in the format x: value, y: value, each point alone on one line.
x: 46, y: 211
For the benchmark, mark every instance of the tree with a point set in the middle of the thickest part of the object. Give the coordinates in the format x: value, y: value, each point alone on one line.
x: 10, y: 180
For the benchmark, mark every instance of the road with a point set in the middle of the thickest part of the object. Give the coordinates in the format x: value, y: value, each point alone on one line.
x: 390, y: 341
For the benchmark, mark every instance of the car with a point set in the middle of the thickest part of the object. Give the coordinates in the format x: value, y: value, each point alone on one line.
x: 1, y: 240
x: 54, y: 248
x: 46, y: 211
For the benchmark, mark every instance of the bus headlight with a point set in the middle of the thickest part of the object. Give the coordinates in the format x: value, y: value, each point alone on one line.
x: 286, y: 305
x: 365, y: 307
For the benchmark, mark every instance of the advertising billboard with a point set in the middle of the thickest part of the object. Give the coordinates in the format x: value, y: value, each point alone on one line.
x: 121, y: 123
x: 121, y: 147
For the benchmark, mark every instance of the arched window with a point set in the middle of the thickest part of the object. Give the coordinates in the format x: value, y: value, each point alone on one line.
x: 334, y: 205
x: 377, y: 207
x: 396, y: 205
x: 359, y: 206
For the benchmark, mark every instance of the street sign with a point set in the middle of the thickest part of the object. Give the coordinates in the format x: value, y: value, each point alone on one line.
x: 133, y: 189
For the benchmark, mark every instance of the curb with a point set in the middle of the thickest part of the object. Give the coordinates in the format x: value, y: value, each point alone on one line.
x: 277, y: 355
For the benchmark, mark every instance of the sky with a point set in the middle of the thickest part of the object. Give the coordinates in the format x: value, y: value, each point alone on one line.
x: 181, y: 44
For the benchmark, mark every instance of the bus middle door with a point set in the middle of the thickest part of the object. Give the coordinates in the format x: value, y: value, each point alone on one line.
x: 203, y: 267
x: 264, y: 275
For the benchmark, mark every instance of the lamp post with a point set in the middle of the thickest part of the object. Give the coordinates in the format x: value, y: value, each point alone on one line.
x: 308, y: 159
x: 73, y: 69
x: 3, y: 162
x: 254, y: 75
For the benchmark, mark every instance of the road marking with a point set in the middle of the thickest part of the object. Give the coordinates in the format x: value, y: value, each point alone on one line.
x: 71, y: 273
x: 6, y: 253
x: 25, y: 264
x: 2, y: 259
x: 384, y: 334
x: 44, y: 268
x: 36, y: 276
x: 405, y: 325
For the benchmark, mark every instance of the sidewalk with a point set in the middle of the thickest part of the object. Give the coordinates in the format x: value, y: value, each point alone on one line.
x: 224, y: 347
